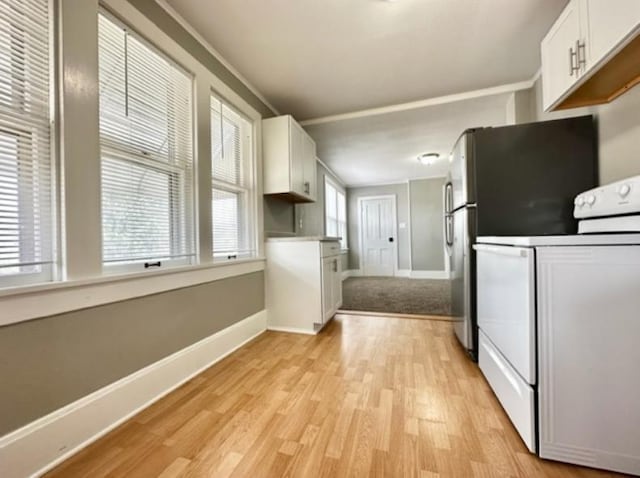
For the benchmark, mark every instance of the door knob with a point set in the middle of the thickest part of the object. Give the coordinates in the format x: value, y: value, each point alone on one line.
x: 391, y: 239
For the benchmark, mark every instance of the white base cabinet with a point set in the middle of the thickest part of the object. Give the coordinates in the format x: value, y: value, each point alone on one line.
x: 589, y: 386
x: 303, y: 283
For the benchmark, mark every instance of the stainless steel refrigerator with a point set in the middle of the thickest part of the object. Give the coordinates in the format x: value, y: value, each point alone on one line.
x: 516, y: 180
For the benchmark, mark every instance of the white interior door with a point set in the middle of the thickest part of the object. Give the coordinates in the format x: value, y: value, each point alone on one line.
x: 379, y: 240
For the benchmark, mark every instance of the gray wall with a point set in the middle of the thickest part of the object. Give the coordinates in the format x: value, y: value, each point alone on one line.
x: 305, y: 219
x: 279, y: 216
x: 619, y: 131
x: 309, y: 218
x: 48, y: 363
x: 402, y: 204
x: 344, y: 260
x: 427, y: 241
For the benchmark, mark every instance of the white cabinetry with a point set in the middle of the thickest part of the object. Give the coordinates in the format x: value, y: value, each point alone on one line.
x: 303, y: 283
x: 589, y: 385
x: 587, y: 35
x: 331, y: 279
x: 559, y: 54
x: 289, y: 159
x: 609, y: 24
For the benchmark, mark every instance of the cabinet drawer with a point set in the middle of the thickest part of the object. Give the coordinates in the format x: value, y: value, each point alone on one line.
x: 331, y: 248
x: 515, y: 395
x: 506, y: 303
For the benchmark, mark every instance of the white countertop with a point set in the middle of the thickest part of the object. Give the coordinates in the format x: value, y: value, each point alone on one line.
x: 568, y: 240
x: 303, y: 238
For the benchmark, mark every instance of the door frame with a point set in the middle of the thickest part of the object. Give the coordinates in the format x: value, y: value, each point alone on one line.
x: 394, y: 208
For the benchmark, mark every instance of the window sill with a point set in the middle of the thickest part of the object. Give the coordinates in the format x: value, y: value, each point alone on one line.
x: 41, y: 300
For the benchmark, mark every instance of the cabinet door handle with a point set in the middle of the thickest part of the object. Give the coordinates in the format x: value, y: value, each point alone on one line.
x: 307, y: 187
x: 581, y: 59
x: 572, y: 56
x: 335, y: 265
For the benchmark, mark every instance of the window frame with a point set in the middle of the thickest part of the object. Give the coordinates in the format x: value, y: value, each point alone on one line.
x: 79, y: 278
x: 145, y: 159
x: 49, y: 269
x: 341, y: 225
x: 248, y: 146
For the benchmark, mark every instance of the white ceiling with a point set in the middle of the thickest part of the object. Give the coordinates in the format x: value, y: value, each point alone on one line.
x: 384, y: 148
x: 313, y: 58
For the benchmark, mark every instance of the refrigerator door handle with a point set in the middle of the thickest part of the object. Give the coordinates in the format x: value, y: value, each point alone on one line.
x: 448, y: 229
x: 447, y: 219
x: 448, y: 198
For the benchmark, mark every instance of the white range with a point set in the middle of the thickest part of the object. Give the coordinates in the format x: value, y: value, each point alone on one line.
x: 559, y: 335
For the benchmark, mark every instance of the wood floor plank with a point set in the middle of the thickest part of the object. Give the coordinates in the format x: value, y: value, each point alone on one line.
x: 368, y: 396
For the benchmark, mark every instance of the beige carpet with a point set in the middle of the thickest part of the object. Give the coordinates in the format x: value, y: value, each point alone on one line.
x: 397, y: 295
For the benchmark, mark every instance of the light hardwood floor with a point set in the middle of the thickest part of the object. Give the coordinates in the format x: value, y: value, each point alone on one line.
x: 368, y: 396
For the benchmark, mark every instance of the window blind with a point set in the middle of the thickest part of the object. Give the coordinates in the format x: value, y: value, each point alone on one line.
x: 146, y: 141
x: 232, y: 183
x: 331, y: 207
x: 342, y: 219
x: 335, y: 213
x: 26, y: 199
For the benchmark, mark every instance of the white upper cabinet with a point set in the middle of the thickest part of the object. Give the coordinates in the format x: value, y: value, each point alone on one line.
x: 289, y: 156
x: 559, y: 49
x: 610, y: 23
x: 586, y: 37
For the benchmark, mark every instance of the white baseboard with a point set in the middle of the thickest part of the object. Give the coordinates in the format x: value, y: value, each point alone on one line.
x: 39, y: 446
x: 291, y: 330
x: 403, y: 273
x: 355, y: 272
x: 429, y: 275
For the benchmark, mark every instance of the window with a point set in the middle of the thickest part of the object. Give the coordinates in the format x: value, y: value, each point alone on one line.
x: 335, y: 212
x: 232, y: 183
x: 146, y: 149
x: 26, y: 186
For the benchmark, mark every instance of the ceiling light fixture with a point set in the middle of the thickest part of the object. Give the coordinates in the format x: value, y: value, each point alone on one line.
x: 428, y: 158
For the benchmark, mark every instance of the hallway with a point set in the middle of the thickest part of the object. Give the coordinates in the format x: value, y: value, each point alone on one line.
x: 397, y: 295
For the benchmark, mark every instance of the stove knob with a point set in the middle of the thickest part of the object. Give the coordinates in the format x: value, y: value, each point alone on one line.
x: 591, y: 199
x: 579, y: 201
x: 624, y: 190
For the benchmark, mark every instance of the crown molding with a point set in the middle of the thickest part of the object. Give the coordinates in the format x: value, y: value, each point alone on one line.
x: 337, y: 178
x: 439, y: 100
x: 375, y: 185
x: 394, y: 183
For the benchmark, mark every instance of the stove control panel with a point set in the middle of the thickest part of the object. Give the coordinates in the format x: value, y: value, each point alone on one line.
x: 615, y: 199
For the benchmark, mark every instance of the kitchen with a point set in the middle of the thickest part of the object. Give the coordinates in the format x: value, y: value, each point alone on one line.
x: 223, y: 349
